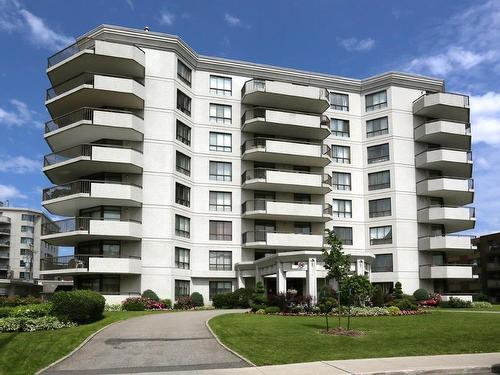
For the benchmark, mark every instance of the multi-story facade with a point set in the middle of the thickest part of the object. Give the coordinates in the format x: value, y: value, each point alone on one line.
x: 21, y: 250
x: 190, y: 173
x: 488, y: 264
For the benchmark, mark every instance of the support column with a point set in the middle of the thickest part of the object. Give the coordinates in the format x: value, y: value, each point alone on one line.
x: 311, y: 280
x: 360, y: 268
x: 258, y: 276
x: 241, y: 280
x: 280, y: 278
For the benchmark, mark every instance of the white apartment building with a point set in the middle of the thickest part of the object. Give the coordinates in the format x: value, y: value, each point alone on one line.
x: 182, y: 173
x: 21, y: 250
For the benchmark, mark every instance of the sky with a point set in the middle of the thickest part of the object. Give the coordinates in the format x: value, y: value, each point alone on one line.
x: 456, y: 40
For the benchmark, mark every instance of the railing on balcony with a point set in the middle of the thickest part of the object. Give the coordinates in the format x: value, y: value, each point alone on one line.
x: 4, y: 254
x: 471, y: 210
x: 261, y: 205
x: 465, y: 97
x: 78, y: 261
x: 469, y: 153
x: 470, y: 181
x: 62, y: 55
x: 467, y: 124
x: 4, y: 231
x: 74, y: 224
x: 253, y: 113
x: 77, y: 187
x: 260, y: 173
x: 253, y: 85
x: 260, y: 142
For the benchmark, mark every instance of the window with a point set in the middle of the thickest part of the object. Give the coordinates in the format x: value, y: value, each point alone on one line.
x: 382, y: 263
x: 220, y: 201
x: 27, y: 240
x: 110, y: 284
x: 342, y: 208
x: 379, y: 153
x: 379, y: 180
x: 341, y: 181
x: 339, y: 102
x: 381, y: 235
x: 219, y: 287
x: 302, y: 228
x: 220, y: 171
x: 184, y: 73
x: 301, y: 197
x: 182, y: 194
x: 111, y: 249
x: 221, y: 230
x: 341, y: 154
x: 183, y: 103
x: 26, y: 217
x: 376, y: 100
x: 22, y: 263
x: 183, y: 133
x: 23, y: 252
x: 182, y: 163
x: 181, y: 288
x: 220, y: 113
x: 220, y: 85
x: 377, y: 126
x: 380, y: 207
x: 182, y: 258
x: 182, y: 226
x: 344, y: 234
x: 27, y: 229
x: 24, y: 275
x: 220, y: 142
x: 339, y: 127
x: 220, y: 261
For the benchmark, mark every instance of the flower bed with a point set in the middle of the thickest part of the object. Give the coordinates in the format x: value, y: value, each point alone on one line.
x: 355, y: 312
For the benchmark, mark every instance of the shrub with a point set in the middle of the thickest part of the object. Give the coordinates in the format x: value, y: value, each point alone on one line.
x: 167, y: 303
x: 398, y: 291
x: 378, y: 296
x: 24, y: 324
x: 260, y: 311
x: 369, y: 311
x: 183, y: 303
x: 481, y: 305
x: 356, y: 290
x: 197, y: 299
x: 405, y: 303
x: 151, y: 304
x: 32, y: 311
x: 393, y: 310
x: 148, y: 293
x: 222, y: 301
x: 272, y: 310
x: 242, y: 297
x: 5, y: 311
x: 115, y: 307
x: 481, y: 297
x: 257, y: 306
x: 13, y: 301
x: 421, y: 294
x: 133, y: 304
x: 79, y: 306
x: 277, y: 300
x: 457, y: 303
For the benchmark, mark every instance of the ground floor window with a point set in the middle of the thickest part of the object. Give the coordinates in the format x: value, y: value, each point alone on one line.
x: 181, y: 288
x: 219, y: 287
x: 109, y: 284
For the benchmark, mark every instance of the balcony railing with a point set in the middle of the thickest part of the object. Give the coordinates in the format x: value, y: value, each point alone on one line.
x: 253, y: 113
x: 465, y: 97
x: 4, y: 231
x: 470, y: 181
x: 79, y: 261
x: 77, y: 187
x: 260, y: 173
x: 260, y: 142
x: 4, y: 243
x: 261, y: 205
x: 74, y: 224
x: 469, y: 153
x: 471, y: 210
x: 467, y: 125
x: 63, y: 55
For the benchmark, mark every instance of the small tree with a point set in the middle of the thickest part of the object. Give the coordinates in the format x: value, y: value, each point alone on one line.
x: 358, y: 289
x: 326, y: 302
x: 378, y: 296
x: 398, y: 291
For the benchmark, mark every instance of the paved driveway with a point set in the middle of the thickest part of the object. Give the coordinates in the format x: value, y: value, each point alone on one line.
x: 154, y: 343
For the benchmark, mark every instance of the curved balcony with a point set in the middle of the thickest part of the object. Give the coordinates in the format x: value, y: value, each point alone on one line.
x: 454, y: 190
x: 451, y: 162
x: 286, y: 180
x: 445, y: 133
x: 87, y: 125
x: 69, y: 198
x: 4, y: 219
x: 286, y: 210
x: 454, y: 218
x: 288, y: 241
x: 4, y: 243
x: 446, y: 243
x: 96, y: 56
x: 87, y: 159
x: 95, y: 90
x: 443, y: 105
x: 4, y: 232
x: 285, y: 124
x: 286, y: 152
x: 88, y: 264
x: 451, y: 271
x: 4, y: 254
x: 69, y: 232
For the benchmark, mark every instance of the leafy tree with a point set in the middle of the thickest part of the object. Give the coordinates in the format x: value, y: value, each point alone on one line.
x: 326, y: 302
x: 378, y: 296
x: 356, y: 290
x: 398, y: 291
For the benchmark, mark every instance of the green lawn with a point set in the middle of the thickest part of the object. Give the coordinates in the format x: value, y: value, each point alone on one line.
x: 27, y: 352
x: 271, y: 339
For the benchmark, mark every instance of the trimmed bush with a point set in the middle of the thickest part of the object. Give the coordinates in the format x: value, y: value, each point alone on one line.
x: 184, y: 303
x: 378, y: 296
x: 79, y: 306
x: 167, y: 303
x: 242, y: 297
x: 257, y: 306
x: 457, y: 303
x: 148, y: 293
x: 32, y: 311
x: 421, y: 294
x: 398, y: 291
x: 197, y: 299
x: 222, y: 301
x: 393, y: 310
x: 481, y: 305
x: 5, y: 311
x: 272, y: 310
x: 13, y: 301
x: 405, y: 303
x: 133, y: 304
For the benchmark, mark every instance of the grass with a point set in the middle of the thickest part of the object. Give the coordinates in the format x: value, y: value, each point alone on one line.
x: 272, y: 339
x: 493, y: 308
x: 28, y: 352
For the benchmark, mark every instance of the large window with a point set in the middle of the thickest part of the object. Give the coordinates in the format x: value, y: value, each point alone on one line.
x: 182, y: 194
x: 381, y: 235
x: 380, y: 207
x: 220, y: 113
x: 376, y: 100
x: 341, y: 154
x: 379, y: 153
x: 220, y: 201
x: 27, y: 240
x: 183, y: 103
x: 377, y: 126
x: 342, y: 208
x: 219, y: 287
x: 220, y: 142
x: 339, y: 127
x: 182, y: 226
x: 26, y: 217
x: 221, y: 230
x: 220, y: 171
x: 181, y: 288
x: 182, y: 258
x: 382, y: 263
x: 220, y: 85
x: 379, y: 180
x: 341, y: 181
x: 302, y: 228
x: 183, y: 133
x: 27, y: 229
x: 182, y: 163
x: 344, y: 234
x: 339, y: 102
x: 220, y: 261
x: 184, y: 73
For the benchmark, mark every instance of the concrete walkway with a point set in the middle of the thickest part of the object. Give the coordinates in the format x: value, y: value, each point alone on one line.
x: 153, y: 343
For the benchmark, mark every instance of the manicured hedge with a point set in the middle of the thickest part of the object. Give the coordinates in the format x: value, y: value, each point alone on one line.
x: 197, y: 299
x: 79, y: 306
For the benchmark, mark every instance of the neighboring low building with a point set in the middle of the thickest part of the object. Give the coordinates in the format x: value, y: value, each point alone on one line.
x: 489, y: 265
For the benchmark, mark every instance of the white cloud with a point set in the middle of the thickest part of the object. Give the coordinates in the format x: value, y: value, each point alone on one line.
x: 358, y: 45
x: 232, y: 20
x: 17, y: 115
x: 485, y: 118
x: 167, y: 18
x: 19, y: 164
x: 130, y: 4
x: 10, y: 192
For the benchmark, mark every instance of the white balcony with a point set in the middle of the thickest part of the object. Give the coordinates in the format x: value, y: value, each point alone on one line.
x: 286, y: 152
x: 446, y: 243
x: 90, y: 264
x: 445, y: 133
x: 96, y: 56
x: 87, y: 159
x: 284, y: 180
x: 87, y: 125
x: 286, y: 211
x: 454, y: 191
x: 72, y: 197
x: 285, y: 124
x: 446, y: 272
x: 286, y: 241
x: 454, y: 219
x: 451, y: 162
x: 442, y: 105
x: 4, y: 219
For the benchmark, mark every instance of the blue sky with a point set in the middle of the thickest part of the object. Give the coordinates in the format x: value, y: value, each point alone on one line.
x: 452, y: 39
